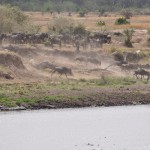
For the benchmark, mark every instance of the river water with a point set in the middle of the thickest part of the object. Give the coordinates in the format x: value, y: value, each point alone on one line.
x: 104, y: 128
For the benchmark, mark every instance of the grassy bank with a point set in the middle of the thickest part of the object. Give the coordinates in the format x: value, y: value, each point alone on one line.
x: 66, y: 93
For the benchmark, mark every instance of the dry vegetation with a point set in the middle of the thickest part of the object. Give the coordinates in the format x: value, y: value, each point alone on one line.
x: 137, y: 22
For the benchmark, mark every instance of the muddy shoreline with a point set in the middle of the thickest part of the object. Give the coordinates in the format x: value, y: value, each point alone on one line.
x: 94, y: 97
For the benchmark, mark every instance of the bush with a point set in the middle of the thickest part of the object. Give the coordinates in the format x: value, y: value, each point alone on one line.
x: 80, y: 30
x: 101, y: 23
x: 59, y: 24
x: 11, y: 19
x: 128, y: 37
x: 82, y: 13
x: 33, y: 29
x: 121, y: 21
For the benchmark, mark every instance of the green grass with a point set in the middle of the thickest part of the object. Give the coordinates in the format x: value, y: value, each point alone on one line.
x: 6, y: 101
x: 23, y: 100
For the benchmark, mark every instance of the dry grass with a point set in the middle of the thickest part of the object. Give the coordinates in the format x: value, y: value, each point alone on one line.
x: 137, y: 22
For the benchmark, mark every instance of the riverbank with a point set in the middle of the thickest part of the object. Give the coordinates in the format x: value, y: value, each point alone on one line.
x: 73, y: 94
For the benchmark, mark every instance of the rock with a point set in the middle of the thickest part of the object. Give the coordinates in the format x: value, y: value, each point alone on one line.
x: 13, y: 108
x: 49, y: 106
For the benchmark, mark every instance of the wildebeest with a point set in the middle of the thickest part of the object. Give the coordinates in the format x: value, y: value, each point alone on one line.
x: 24, y: 38
x: 61, y: 71
x: 129, y: 67
x: 54, y: 40
x: 142, y: 73
x: 77, y: 45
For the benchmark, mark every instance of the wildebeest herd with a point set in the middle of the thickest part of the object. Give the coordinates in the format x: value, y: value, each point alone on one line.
x: 141, y: 73
x: 94, y: 40
x: 23, y: 38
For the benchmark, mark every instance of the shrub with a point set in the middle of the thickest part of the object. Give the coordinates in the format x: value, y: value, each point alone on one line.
x: 82, y: 13
x: 121, y: 21
x: 11, y: 19
x: 101, y: 23
x: 33, y: 29
x: 80, y: 30
x: 128, y: 37
x: 60, y: 23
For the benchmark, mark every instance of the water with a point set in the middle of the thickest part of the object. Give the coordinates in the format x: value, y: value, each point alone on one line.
x: 111, y: 128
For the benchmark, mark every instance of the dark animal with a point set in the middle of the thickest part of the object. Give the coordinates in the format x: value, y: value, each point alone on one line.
x: 2, y: 37
x: 77, y: 45
x: 129, y: 67
x: 61, y: 71
x: 54, y: 40
x: 142, y: 73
